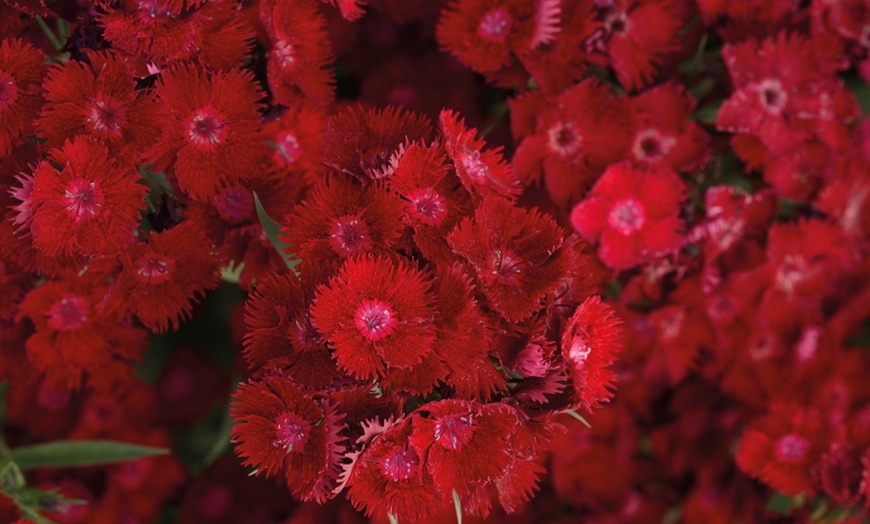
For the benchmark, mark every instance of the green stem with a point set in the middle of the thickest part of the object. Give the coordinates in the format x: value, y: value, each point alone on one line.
x: 57, y: 44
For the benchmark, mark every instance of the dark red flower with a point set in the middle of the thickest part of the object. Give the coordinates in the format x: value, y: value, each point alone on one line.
x: 98, y: 100
x: 278, y: 428
x: 376, y: 314
x: 211, y: 137
x: 633, y: 213
x: 21, y: 68
x: 84, y: 202
x: 517, y: 255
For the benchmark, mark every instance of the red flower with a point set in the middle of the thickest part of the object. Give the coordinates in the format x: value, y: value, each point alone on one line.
x: 100, y: 101
x: 299, y: 60
x: 20, y: 92
x: 633, y: 213
x: 279, y: 427
x: 280, y: 333
x: 590, y: 343
x: 571, y: 139
x: 73, y: 344
x: 361, y: 142
x: 350, y: 9
x: 211, y: 138
x: 89, y: 206
x: 481, y: 172
x: 376, y: 314
x: 341, y: 219
x: 162, y: 276
x: 783, y: 447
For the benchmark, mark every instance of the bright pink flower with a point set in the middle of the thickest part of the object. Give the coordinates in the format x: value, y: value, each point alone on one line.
x: 84, y: 202
x: 376, y: 314
x: 633, y: 214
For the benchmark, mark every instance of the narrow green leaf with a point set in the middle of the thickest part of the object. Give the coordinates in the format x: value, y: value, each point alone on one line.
x: 458, y: 505
x: 393, y: 519
x: 68, y: 453
x: 272, y: 229
x: 708, y: 113
x: 580, y: 418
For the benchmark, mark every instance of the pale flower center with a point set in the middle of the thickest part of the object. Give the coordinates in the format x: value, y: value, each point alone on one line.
x: 400, y: 464
x: 627, y: 216
x: 563, y: 139
x: 374, y: 319
x: 792, y: 448
x: 69, y: 313
x: 454, y: 431
x: 349, y: 235
x: 82, y: 198
x: 494, y: 25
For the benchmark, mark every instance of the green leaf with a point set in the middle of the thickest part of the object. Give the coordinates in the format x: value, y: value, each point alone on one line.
x: 783, y: 504
x: 458, y: 505
x: 708, y: 113
x: 272, y: 229
x: 68, y: 453
x: 393, y: 519
x: 579, y: 417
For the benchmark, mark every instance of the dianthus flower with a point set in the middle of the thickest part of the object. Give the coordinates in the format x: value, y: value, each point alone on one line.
x: 633, y: 214
x: 279, y: 428
x: 162, y: 276
x: 517, y: 255
x: 84, y: 202
x: 212, y: 136
x: 376, y: 314
x: 98, y: 100
x: 20, y: 91
x: 783, y: 447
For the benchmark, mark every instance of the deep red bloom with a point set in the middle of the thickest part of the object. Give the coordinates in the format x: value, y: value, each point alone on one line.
x: 482, y: 172
x: 783, y: 447
x: 361, y: 142
x: 162, y: 276
x: 301, y: 53
x: 278, y: 427
x: 90, y: 205
x: 376, y: 314
x: 633, y: 213
x: 21, y: 68
x: 350, y: 9
x: 98, y: 100
x: 590, y: 343
x: 211, y: 137
x: 341, y: 219
x: 517, y: 255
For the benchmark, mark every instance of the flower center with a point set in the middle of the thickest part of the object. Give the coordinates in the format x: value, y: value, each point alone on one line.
x: 507, y: 265
x: 617, y: 24
x: 627, y: 216
x: 8, y: 91
x: 103, y: 116
x: 473, y: 165
x: 494, y: 25
x: 374, y: 319
x: 400, y: 464
x: 234, y: 204
x: 82, y: 198
x: 579, y: 350
x: 773, y: 96
x: 792, y: 448
x: 304, y: 335
x: 69, y: 313
x: 290, y: 431
x: 651, y: 145
x: 205, y: 129
x: 151, y: 10
x: 287, y: 148
x: 428, y: 205
x: 791, y: 273
x: 285, y: 53
x: 563, y: 139
x: 349, y: 236
x: 154, y: 268
x: 454, y: 431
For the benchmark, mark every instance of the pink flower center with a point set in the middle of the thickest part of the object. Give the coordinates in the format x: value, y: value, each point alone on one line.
x: 288, y: 148
x: 627, y: 216
x: 349, y: 236
x: 304, y: 335
x: 205, y: 128
x: 374, y: 319
x: 474, y: 166
x: 154, y: 268
x: 507, y: 265
x: 650, y: 145
x: 82, y: 198
x: 285, y: 53
x: 579, y: 351
x: 151, y: 11
x: 772, y: 95
x: 234, y: 204
x: 791, y: 272
x: 563, y: 139
x: 8, y: 91
x: 290, y: 432
x: 494, y: 25
x: 103, y: 116
x: 792, y: 449
x: 428, y: 205
x: 454, y: 431
x: 617, y: 24
x: 400, y: 465
x: 69, y: 313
